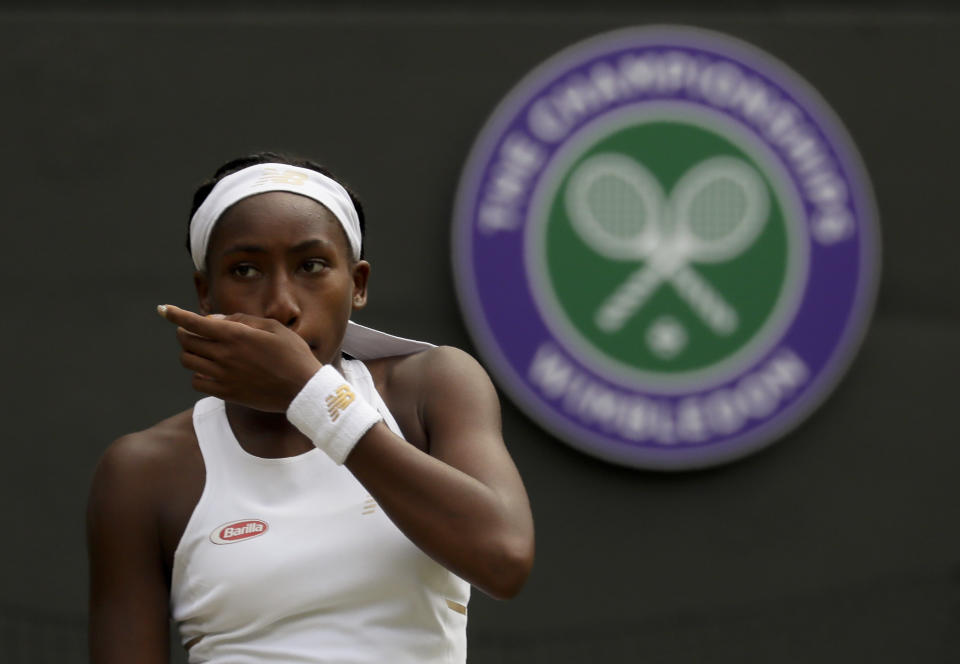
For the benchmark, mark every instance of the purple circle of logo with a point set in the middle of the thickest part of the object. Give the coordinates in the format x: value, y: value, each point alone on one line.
x: 665, y: 247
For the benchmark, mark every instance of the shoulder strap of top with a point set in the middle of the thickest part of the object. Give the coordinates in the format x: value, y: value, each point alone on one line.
x: 212, y: 429
x: 358, y: 375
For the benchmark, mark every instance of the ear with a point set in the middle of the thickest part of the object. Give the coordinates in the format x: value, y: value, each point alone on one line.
x: 202, y: 283
x: 361, y: 274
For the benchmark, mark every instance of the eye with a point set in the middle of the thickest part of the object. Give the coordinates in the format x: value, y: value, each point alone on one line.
x: 244, y: 271
x: 313, y: 265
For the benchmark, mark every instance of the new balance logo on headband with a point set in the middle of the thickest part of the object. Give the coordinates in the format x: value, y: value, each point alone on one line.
x: 285, y: 176
x: 339, y: 401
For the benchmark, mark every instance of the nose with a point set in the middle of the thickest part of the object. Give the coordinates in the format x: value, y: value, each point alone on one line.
x: 282, y: 303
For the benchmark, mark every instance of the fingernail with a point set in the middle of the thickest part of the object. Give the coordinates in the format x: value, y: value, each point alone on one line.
x: 216, y: 316
x: 162, y: 310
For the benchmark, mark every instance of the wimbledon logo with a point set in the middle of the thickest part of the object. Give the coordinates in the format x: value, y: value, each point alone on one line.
x: 665, y: 247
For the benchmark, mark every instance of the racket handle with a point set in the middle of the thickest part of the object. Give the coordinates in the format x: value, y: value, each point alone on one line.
x: 627, y: 299
x: 705, y: 301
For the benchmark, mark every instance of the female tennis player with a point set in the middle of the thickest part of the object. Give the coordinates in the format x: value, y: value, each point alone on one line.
x: 338, y: 492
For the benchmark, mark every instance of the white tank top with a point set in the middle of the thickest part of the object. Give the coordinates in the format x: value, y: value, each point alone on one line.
x: 290, y: 560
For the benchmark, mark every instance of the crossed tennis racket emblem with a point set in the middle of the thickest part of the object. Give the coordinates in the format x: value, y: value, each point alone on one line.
x: 714, y: 213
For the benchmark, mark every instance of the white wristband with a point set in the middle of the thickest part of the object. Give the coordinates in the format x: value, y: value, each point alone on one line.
x: 329, y: 412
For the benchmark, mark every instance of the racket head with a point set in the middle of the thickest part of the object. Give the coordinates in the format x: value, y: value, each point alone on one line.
x: 616, y: 206
x: 719, y: 208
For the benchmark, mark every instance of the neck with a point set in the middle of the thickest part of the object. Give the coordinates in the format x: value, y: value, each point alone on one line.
x: 270, y: 435
x: 267, y: 435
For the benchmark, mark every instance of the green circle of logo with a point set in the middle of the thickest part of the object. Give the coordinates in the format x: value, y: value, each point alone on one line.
x: 667, y: 247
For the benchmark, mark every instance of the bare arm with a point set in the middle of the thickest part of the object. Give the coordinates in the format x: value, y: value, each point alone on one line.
x: 128, y: 586
x: 463, y: 503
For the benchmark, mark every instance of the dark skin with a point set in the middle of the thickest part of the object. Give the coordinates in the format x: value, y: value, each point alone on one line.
x: 283, y: 284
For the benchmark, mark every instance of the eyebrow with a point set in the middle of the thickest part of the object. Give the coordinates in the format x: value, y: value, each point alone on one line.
x: 256, y: 249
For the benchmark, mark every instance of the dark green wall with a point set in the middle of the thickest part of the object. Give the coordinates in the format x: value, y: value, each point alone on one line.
x: 839, y: 543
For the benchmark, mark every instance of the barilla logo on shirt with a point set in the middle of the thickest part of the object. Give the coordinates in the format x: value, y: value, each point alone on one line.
x: 235, y: 531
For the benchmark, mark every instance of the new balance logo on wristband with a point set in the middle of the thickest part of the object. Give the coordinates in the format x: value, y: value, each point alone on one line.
x: 339, y: 401
x: 331, y: 414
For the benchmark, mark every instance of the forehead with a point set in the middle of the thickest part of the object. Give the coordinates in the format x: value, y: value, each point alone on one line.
x: 277, y: 219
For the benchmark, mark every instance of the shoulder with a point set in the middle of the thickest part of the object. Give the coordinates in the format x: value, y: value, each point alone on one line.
x: 448, y: 388
x: 432, y: 375
x: 140, y: 465
x: 434, y: 391
x: 441, y: 365
x: 164, y: 442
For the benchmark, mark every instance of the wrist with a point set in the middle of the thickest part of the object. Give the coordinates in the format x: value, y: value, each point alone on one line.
x: 331, y: 413
x: 301, y: 377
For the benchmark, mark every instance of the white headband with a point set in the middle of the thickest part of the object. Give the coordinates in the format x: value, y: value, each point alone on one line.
x: 262, y: 178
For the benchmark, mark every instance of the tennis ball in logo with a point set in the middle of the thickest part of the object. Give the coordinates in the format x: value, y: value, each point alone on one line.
x: 702, y: 308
